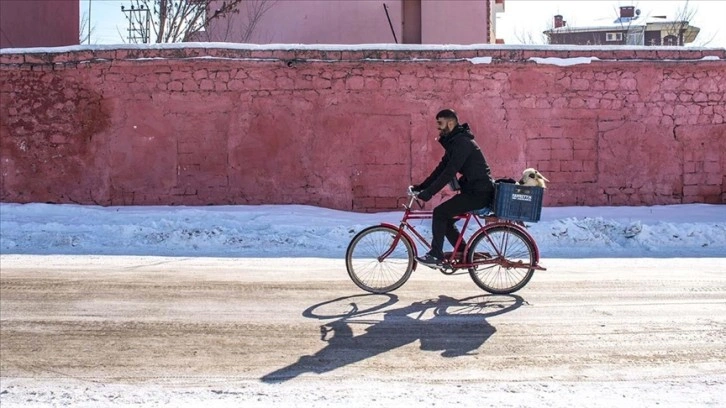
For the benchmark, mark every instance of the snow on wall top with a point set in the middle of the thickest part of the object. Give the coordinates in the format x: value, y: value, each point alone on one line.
x: 563, y: 55
x: 344, y: 47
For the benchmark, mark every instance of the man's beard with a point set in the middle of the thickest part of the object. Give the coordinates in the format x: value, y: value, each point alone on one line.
x: 443, y: 132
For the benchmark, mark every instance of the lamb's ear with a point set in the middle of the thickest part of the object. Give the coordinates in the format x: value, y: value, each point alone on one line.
x: 539, y: 175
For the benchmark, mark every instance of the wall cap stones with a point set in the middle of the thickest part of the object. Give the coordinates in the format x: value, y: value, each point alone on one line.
x: 296, y: 53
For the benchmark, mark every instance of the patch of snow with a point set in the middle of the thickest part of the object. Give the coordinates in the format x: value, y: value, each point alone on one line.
x: 564, y: 62
x: 480, y: 60
x: 304, y: 231
x: 366, y: 392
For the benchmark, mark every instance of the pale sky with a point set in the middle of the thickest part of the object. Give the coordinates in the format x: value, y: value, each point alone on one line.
x: 523, y: 20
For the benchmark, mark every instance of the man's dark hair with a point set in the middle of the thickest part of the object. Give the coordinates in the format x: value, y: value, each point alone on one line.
x: 447, y: 114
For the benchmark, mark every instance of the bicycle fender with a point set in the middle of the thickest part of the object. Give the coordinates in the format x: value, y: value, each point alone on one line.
x: 404, y: 234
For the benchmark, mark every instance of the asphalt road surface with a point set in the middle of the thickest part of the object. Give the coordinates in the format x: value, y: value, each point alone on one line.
x: 195, y: 322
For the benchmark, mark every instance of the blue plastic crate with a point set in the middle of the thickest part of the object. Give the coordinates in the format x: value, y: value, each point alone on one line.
x: 518, y: 203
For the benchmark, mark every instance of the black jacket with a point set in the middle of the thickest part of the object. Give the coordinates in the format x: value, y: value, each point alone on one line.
x: 463, y: 156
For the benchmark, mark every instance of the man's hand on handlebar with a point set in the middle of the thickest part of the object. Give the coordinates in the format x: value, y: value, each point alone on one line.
x: 419, y: 194
x: 413, y: 192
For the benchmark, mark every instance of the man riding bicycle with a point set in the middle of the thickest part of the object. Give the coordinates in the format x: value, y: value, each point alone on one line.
x: 463, y: 156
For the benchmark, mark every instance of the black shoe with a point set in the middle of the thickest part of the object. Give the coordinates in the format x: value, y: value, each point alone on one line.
x: 430, y: 261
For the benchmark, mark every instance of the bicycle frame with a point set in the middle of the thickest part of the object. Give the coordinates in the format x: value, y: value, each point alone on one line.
x: 412, y: 214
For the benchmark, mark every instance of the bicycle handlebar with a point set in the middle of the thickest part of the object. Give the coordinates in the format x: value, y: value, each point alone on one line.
x: 414, y: 197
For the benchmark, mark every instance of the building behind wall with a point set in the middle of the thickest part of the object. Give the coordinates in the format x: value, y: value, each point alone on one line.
x: 38, y: 23
x: 630, y: 28
x: 359, y: 22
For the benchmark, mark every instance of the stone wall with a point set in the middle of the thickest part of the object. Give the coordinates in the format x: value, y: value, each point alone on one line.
x: 350, y: 129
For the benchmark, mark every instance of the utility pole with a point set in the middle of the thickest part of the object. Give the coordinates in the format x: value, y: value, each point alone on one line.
x: 89, y: 22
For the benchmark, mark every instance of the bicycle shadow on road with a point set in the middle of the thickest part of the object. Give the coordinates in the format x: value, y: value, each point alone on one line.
x: 455, y: 327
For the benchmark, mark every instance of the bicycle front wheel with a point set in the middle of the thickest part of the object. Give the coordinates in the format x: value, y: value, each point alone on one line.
x: 379, y: 259
x: 512, y: 256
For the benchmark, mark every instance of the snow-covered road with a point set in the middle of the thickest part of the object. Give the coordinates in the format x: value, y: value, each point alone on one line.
x: 107, y: 331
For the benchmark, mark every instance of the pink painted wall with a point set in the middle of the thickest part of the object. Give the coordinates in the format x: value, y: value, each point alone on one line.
x: 351, y: 129
x: 454, y: 22
x: 356, y: 22
x: 38, y: 23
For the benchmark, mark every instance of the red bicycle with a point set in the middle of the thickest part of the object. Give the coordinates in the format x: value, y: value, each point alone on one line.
x: 501, y: 256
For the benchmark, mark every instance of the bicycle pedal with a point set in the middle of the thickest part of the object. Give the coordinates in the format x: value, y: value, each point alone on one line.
x: 447, y: 269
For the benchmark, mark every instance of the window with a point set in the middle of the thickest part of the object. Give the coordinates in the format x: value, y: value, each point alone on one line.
x: 670, y: 40
x: 614, y: 37
x: 635, y: 38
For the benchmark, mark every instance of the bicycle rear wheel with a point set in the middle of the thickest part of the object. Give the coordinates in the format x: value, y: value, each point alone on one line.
x: 368, y: 271
x: 512, y: 254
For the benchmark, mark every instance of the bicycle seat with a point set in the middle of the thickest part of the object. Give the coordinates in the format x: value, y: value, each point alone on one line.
x: 483, y: 212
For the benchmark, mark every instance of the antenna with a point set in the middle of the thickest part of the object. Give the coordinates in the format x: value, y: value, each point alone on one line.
x: 390, y: 24
x: 139, y: 19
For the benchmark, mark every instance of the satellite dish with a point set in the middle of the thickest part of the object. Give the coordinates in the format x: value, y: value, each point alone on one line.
x: 637, y: 12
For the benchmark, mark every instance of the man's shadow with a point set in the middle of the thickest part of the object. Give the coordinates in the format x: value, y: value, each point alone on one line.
x: 455, y: 327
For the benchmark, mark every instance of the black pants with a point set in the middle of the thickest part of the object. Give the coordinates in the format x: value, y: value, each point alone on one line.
x: 443, y: 223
